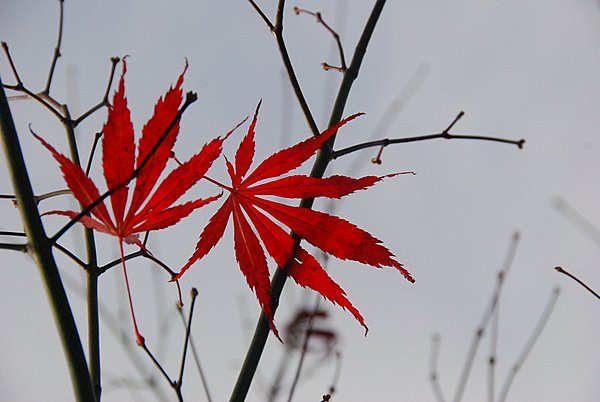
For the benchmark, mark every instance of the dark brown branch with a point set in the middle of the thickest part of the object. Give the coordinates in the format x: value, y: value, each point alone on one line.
x: 72, y: 256
x: 15, y: 247
x: 444, y: 134
x: 197, y: 360
x: 277, y: 30
x: 92, y: 152
x: 104, y: 101
x: 41, y: 98
x: 57, y: 54
x: 262, y: 15
x: 576, y: 279
x: 336, y: 36
x: 11, y: 233
x: 188, y: 331
x: 157, y: 363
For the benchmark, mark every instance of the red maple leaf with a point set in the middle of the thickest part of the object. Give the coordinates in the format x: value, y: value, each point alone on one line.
x: 252, y: 219
x: 140, y: 212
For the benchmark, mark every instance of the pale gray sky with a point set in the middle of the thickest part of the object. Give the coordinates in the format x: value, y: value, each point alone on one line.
x: 518, y: 69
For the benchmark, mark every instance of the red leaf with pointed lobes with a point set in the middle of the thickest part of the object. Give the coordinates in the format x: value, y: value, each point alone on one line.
x: 331, y: 234
x: 118, y: 161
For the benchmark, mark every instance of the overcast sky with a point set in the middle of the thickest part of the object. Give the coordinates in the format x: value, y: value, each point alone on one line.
x: 524, y: 69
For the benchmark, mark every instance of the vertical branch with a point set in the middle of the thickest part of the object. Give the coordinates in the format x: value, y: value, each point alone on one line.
x: 41, y: 250
x: 92, y: 272
x: 261, y: 332
x: 46, y: 90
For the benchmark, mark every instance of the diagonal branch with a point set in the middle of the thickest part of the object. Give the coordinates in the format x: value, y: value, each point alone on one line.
x: 191, y: 97
x: 576, y: 279
x: 277, y: 30
x: 336, y: 36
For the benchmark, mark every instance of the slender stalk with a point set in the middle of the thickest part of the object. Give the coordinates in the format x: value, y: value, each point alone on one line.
x: 445, y: 135
x: 92, y: 272
x: 261, y: 332
x: 197, y: 360
x: 41, y: 250
x: 56, y: 55
x: 576, y: 279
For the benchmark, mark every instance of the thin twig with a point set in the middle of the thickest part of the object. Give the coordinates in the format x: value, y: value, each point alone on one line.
x: 196, y: 360
x: 576, y: 279
x: 114, y: 61
x: 336, y: 36
x: 188, y: 331
x: 156, y: 363
x: 277, y: 30
x: 444, y: 134
x: 42, y: 98
x: 46, y: 90
x: 15, y: 247
x: 92, y: 152
x: 72, y: 256
x: 433, y: 370
x: 11, y: 233
x: 529, y: 345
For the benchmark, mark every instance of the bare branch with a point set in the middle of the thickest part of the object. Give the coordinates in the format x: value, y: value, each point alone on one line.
x: 262, y: 14
x: 46, y: 90
x: 336, y: 36
x: 15, y: 247
x: 196, y: 360
x: 444, y: 134
x: 579, y: 281
x: 104, y: 101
